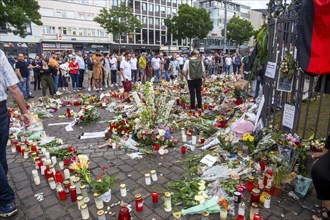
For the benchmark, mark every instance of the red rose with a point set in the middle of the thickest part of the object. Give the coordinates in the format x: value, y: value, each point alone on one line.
x: 86, y: 110
x: 71, y: 149
x: 66, y: 161
x: 81, y: 117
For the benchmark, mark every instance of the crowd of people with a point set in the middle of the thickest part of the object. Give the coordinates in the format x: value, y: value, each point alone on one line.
x: 63, y: 73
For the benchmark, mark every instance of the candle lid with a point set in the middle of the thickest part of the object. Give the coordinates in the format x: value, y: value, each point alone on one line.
x: 147, y: 175
x: 256, y: 191
x: 255, y: 205
x: 205, y: 213
x: 122, y: 186
x: 167, y: 194
x: 72, y: 188
x: 96, y: 195
x: 83, y: 206
x: 138, y: 196
x: 76, y: 179
x: 66, y: 182
x: 263, y: 158
x: 153, y: 171
x: 51, y: 179
x: 80, y: 198
x: 100, y: 213
x: 83, y: 187
x: 51, y: 166
x: 251, y: 178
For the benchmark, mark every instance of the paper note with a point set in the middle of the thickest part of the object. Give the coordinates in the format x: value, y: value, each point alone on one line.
x: 208, y: 160
x: 270, y: 70
x: 288, y: 116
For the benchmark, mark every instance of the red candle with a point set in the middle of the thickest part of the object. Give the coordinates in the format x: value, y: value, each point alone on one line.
x: 240, y: 217
x: 205, y: 107
x: 40, y: 164
x: 154, y: 197
x: 18, y: 148
x: 138, y: 203
x: 49, y: 174
x: 190, y: 132
x: 22, y: 151
x: 124, y: 213
x: 249, y: 186
x: 255, y: 196
x: 156, y: 147
x: 263, y: 163
x: 256, y: 217
x: 73, y: 193
x: 202, y: 140
x: 34, y: 148
x: 62, y: 195
x: 68, y: 113
x: 183, y: 105
x: 183, y: 150
x: 59, y: 177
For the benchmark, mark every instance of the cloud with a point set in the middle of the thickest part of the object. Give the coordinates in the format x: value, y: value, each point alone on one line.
x: 254, y: 4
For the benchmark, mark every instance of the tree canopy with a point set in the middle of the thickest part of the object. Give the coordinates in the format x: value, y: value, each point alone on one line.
x: 190, y: 23
x: 118, y: 21
x: 239, y: 30
x: 19, y: 13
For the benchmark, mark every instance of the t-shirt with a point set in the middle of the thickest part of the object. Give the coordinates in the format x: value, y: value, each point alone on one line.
x: 126, y: 66
x: 166, y: 63
x: 75, y: 66
x: 180, y: 60
x: 133, y: 63
x: 228, y: 61
x: 23, y: 69
x: 155, y: 63
x: 106, y: 64
x: 113, y: 62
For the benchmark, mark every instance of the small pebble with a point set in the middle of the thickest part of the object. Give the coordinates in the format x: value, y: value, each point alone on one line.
x: 161, y: 174
x: 295, y: 213
x: 282, y: 215
x: 106, y: 212
x: 129, y: 175
x: 110, y: 213
x: 113, y: 214
x: 159, y: 164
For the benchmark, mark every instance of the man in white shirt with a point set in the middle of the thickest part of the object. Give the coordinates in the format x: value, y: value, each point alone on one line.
x: 82, y: 67
x: 228, y: 62
x: 113, y: 69
x: 106, y: 66
x: 126, y: 76
x: 155, y: 63
x: 180, y: 61
x: 133, y: 63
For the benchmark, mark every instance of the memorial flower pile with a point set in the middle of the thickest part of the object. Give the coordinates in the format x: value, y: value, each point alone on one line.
x: 121, y: 126
x: 87, y: 114
x: 80, y: 166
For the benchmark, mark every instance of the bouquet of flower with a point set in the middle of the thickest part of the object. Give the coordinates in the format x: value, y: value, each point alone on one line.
x: 87, y: 114
x: 248, y: 140
x: 103, y: 184
x: 120, y: 126
x: 80, y: 166
x: 288, y: 66
x: 160, y: 135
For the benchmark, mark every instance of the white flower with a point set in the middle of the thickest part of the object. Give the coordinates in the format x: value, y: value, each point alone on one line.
x: 201, y: 187
x: 199, y: 198
x: 83, y: 157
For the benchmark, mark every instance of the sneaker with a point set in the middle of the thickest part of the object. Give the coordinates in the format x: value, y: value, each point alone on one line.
x: 111, y: 85
x: 106, y: 86
x: 8, y: 210
x: 58, y: 93
x: 89, y: 89
x: 101, y: 89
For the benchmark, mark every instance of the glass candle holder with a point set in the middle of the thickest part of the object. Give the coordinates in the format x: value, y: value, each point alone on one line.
x: 168, y: 202
x: 73, y: 193
x: 255, y: 196
x: 250, y: 183
x: 123, y: 191
x: 84, y: 212
x: 153, y: 175
x: 98, y: 201
x: 138, y: 203
x: 84, y: 193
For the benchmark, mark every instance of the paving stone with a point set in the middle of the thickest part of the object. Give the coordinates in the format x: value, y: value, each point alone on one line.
x: 29, y: 202
x: 26, y: 192
x: 49, y: 201
x: 74, y: 212
x: 18, y: 177
x: 55, y: 212
x: 23, y: 184
x: 33, y: 212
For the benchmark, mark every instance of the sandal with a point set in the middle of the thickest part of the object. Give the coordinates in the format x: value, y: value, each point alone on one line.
x: 323, y: 214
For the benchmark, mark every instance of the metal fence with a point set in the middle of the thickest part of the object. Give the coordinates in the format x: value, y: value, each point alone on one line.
x: 312, y: 109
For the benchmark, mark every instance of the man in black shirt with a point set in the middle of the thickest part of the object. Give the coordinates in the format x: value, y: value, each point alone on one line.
x: 36, y: 65
x: 23, y: 74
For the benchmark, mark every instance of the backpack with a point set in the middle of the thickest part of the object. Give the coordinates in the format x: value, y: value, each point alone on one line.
x: 195, y: 69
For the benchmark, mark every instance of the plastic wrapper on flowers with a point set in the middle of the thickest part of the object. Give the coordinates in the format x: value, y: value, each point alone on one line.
x: 210, y: 205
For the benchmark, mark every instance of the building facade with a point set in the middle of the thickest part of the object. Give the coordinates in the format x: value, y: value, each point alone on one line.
x: 68, y: 25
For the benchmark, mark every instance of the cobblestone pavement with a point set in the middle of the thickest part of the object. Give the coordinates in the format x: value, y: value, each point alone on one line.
x: 131, y: 172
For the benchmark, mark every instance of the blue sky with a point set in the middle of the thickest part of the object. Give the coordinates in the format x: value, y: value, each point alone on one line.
x: 254, y: 4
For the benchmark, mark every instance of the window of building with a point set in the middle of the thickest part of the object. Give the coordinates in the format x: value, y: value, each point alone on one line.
x: 179, y: 2
x: 157, y: 8
x: 70, y: 14
x: 168, y: 11
x: 151, y: 7
x: 101, y: 33
x: 114, y: 2
x: 62, y: 30
x: 157, y: 21
x: 163, y: 9
x: 157, y: 36
x: 138, y: 36
x: 162, y: 22
x: 47, y: 11
x: 144, y: 6
x: 82, y: 15
x: 163, y: 37
x: 84, y: 2
x: 82, y: 31
x: 137, y: 5
x: 144, y: 20
x: 48, y: 29
x: 184, y: 1
x: 60, y: 13
x: 151, y: 20
x: 138, y: 17
x: 174, y: 11
x: 151, y: 37
x: 144, y: 36
x: 90, y: 32
x: 90, y: 16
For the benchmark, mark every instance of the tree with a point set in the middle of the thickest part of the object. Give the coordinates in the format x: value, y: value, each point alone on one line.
x: 239, y: 30
x: 19, y: 13
x: 189, y: 23
x: 118, y: 21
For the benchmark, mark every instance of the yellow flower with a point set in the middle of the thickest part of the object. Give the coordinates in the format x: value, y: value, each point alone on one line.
x: 244, y: 138
x: 251, y: 138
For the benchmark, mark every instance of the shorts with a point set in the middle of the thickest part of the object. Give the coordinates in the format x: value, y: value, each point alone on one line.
x: 90, y: 74
x: 97, y: 73
x: 127, y: 86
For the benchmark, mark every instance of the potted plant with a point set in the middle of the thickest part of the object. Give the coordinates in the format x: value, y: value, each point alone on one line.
x: 103, y: 186
x: 279, y: 176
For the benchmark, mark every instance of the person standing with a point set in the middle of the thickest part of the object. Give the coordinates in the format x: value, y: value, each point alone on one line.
x: 82, y: 68
x: 126, y: 76
x: 36, y: 65
x: 74, y: 68
x: 260, y: 73
x: 64, y: 74
x: 143, y: 67
x: 155, y: 63
x: 8, y: 80
x: 174, y: 67
x: 228, y: 62
x: 97, y: 71
x: 237, y: 63
x: 23, y: 74
x: 245, y: 67
x: 194, y: 71
x: 47, y: 80
x: 53, y: 66
x: 106, y: 67
x: 167, y: 63
x: 180, y: 61
x: 90, y: 67
x: 113, y: 69
x: 134, y: 70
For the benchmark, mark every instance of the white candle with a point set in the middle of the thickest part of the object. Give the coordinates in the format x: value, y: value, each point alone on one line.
x: 42, y: 169
x: 66, y: 174
x: 183, y: 132
x: 147, y: 178
x: 113, y: 145
x: 35, y: 173
x: 184, y: 138
x: 47, y: 154
x: 223, y: 214
x: 154, y: 175
x: 193, y: 140
x: 72, y: 178
x: 54, y: 160
x: 123, y: 191
x: 36, y: 180
x: 61, y: 165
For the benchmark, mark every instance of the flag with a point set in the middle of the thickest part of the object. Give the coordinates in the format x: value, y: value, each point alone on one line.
x: 314, y: 37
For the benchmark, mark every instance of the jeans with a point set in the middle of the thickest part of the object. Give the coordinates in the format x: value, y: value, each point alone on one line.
x: 258, y: 83
x: 195, y: 88
x: 158, y: 74
x: 167, y: 76
x: 113, y: 76
x: 62, y: 81
x: 75, y: 80
x: 236, y: 68
x: 6, y: 192
x: 55, y: 77
x: 212, y: 70
x: 81, y: 77
x: 37, y: 80
x: 134, y: 75
x: 227, y: 69
x: 25, y: 87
